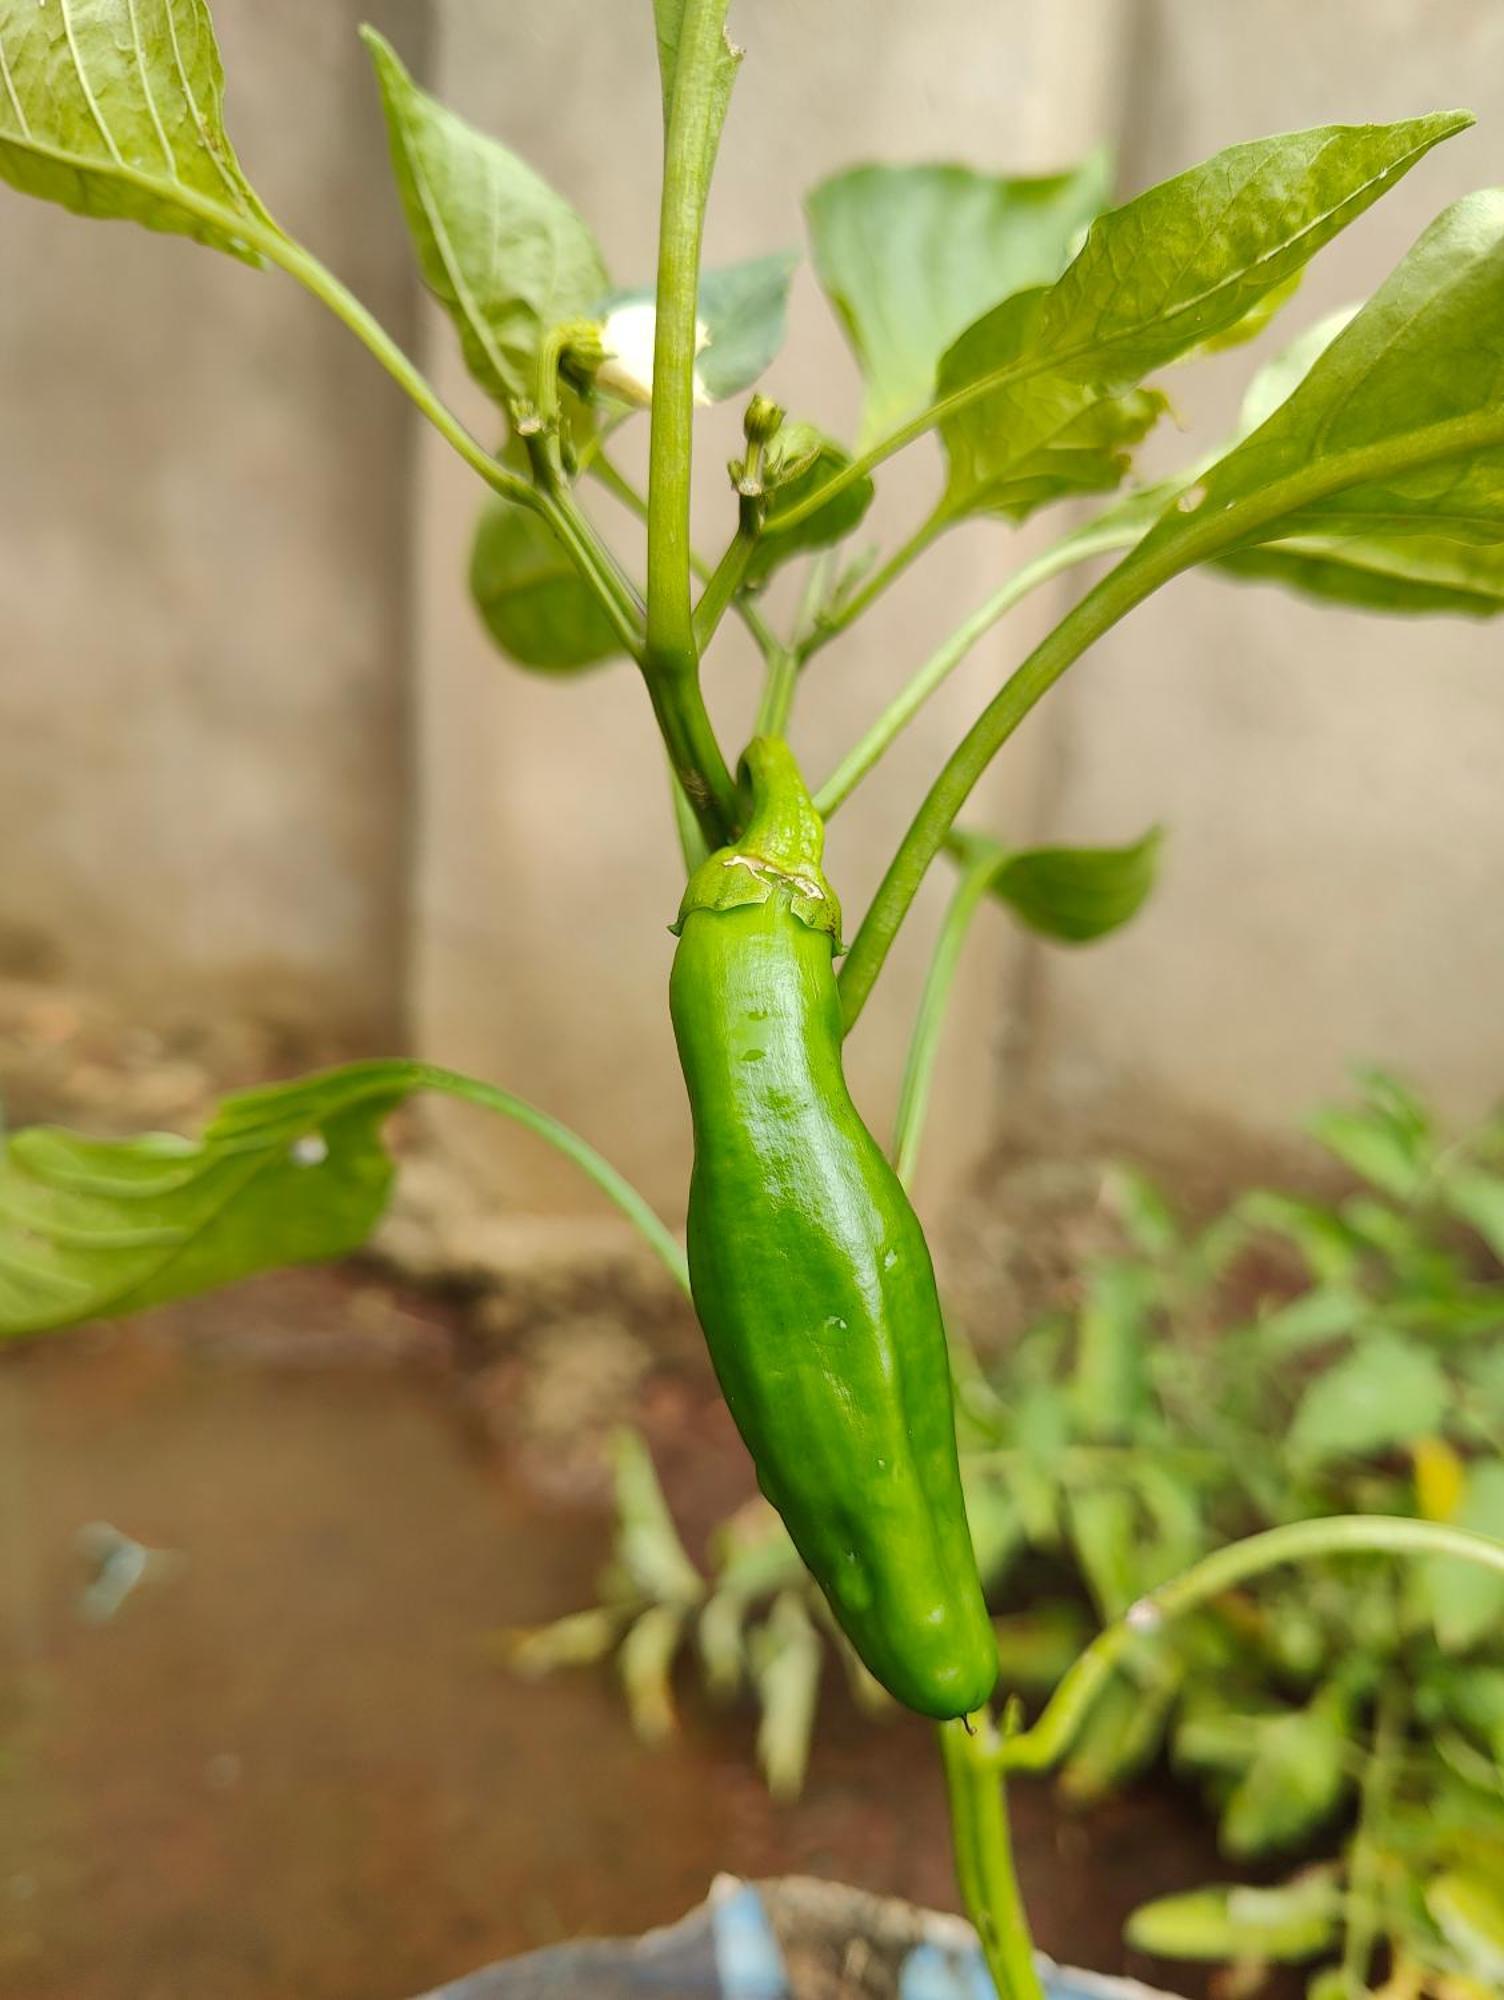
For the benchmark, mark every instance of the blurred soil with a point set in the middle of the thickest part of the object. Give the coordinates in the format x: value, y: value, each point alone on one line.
x: 289, y: 1763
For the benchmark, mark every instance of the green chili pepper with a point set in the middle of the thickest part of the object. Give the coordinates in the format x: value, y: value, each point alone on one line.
x: 810, y: 1271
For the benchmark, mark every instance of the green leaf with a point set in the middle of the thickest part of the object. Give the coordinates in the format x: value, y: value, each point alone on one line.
x: 1294, y: 1784
x: 1139, y: 1205
x: 1092, y: 454
x: 800, y: 462
x: 1253, y: 322
x: 744, y: 309
x: 115, y: 109
x: 1325, y: 1242
x: 647, y: 1542
x: 1314, y: 1319
x: 1404, y: 573
x: 534, y: 602
x: 288, y: 1174
x: 646, y: 1663
x: 1386, y: 1392
x: 1110, y: 1380
x: 786, y: 1661
x: 1466, y: 1601
x: 578, y: 1640
x: 1418, y: 374
x: 1181, y: 263
x: 507, y: 257
x: 1386, y: 1140
x: 1468, y: 1909
x: 1078, y: 894
x: 1104, y: 1525
x: 284, y: 1176
x: 909, y: 256
x: 1283, y: 1926
x: 1280, y: 376
x: 1478, y: 1198
x: 1408, y: 575
x: 743, y: 314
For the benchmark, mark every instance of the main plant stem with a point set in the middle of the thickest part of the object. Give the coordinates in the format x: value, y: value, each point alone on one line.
x: 984, y: 1857
x: 671, y: 660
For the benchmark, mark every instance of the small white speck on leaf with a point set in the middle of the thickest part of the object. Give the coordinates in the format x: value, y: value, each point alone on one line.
x: 310, y: 1151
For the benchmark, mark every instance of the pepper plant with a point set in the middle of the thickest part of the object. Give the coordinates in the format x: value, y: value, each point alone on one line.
x: 1018, y: 322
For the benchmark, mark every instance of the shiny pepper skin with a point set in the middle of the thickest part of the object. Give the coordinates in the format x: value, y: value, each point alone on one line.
x: 810, y: 1271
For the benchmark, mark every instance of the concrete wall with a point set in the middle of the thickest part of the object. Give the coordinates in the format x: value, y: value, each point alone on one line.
x: 204, y: 794
x: 254, y: 750
x: 1330, y: 781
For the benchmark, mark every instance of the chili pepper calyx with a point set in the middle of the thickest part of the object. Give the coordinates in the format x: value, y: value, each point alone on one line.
x: 779, y: 852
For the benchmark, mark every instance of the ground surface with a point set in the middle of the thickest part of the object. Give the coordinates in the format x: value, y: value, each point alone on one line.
x: 289, y: 1765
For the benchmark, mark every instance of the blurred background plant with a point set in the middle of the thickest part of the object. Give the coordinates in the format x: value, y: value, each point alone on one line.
x: 1289, y: 1358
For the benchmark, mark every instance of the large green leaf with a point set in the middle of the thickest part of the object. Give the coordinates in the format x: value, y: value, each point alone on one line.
x: 535, y: 604
x: 283, y: 1175
x: 1181, y: 263
x: 506, y: 256
x: 909, y: 256
x: 114, y: 108
x: 1407, y: 574
x: 1397, y: 571
x: 1396, y: 431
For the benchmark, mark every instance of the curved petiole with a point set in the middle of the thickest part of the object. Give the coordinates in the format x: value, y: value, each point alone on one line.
x: 1041, y: 1747
x: 942, y: 663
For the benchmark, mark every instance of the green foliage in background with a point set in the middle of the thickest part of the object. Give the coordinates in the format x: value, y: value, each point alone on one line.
x: 1290, y: 1359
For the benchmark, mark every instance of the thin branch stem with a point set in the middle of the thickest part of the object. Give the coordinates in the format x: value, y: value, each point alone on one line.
x: 616, y: 482
x: 1241, y: 523
x: 777, y: 702
x: 984, y: 859
x: 671, y: 661
x: 725, y: 582
x: 301, y: 264
x: 1042, y: 1746
x: 984, y: 1857
x: 692, y: 847
x: 595, y: 563
x: 942, y: 663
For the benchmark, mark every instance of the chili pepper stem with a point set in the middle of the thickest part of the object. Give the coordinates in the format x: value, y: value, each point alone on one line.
x: 984, y: 1856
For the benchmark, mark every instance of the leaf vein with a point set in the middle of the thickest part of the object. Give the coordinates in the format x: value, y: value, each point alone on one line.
x: 146, y: 89
x: 84, y: 86
x: 10, y: 91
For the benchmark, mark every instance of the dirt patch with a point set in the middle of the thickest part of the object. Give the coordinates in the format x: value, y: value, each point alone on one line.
x: 288, y: 1765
